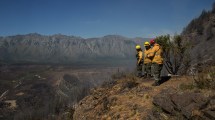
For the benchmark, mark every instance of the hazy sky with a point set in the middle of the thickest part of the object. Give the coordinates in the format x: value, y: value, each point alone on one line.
x: 96, y: 18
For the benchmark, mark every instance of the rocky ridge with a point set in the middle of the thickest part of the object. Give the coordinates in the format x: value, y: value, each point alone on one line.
x: 200, y: 33
x: 132, y: 98
x: 62, y: 49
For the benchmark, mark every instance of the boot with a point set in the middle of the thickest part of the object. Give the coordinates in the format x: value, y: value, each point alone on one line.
x: 139, y: 75
x: 144, y: 76
x: 150, y: 76
x: 156, y: 83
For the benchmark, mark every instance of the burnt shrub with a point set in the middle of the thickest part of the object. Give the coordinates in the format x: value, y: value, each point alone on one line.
x: 206, y: 78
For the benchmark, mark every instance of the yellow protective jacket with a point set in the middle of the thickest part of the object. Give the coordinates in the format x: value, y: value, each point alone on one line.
x: 139, y: 56
x: 146, y: 59
x: 156, y: 54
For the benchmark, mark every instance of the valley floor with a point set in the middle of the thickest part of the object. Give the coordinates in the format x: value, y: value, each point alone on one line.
x: 46, y: 91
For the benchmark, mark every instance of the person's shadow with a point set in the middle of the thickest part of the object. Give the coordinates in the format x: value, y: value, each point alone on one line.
x: 164, y: 79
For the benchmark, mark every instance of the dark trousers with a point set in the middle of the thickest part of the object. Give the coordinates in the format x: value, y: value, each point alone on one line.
x: 147, y: 69
x: 139, y: 69
x: 156, y: 71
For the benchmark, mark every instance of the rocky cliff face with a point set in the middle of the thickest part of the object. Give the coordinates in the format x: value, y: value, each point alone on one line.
x: 36, y: 48
x: 200, y: 32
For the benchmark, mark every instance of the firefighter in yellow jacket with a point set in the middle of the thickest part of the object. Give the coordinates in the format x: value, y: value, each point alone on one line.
x: 147, y: 61
x: 139, y: 57
x: 157, y: 61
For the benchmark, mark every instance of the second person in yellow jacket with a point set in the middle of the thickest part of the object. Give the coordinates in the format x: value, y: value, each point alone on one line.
x: 147, y: 61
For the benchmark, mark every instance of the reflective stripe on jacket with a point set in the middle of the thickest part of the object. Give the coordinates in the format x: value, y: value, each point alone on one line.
x: 156, y: 54
x: 146, y: 59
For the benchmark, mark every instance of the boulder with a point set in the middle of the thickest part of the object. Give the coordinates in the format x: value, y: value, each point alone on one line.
x: 187, y: 105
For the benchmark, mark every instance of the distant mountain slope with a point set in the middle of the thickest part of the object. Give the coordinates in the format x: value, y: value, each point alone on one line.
x: 201, y: 34
x: 36, y: 48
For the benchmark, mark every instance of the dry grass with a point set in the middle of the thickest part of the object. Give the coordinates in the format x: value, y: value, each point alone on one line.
x: 202, y: 78
x: 131, y: 97
x: 206, y: 78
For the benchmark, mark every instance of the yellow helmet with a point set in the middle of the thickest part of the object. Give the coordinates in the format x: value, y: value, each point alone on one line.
x: 138, y: 47
x: 146, y: 44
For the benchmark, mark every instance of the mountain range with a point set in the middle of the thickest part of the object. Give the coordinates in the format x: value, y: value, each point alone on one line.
x: 62, y: 49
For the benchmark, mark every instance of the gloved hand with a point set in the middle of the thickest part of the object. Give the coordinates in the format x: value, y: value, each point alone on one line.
x: 137, y: 56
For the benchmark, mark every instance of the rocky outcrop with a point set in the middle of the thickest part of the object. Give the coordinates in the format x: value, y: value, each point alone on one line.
x: 185, y: 105
x: 133, y: 98
x: 115, y: 100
